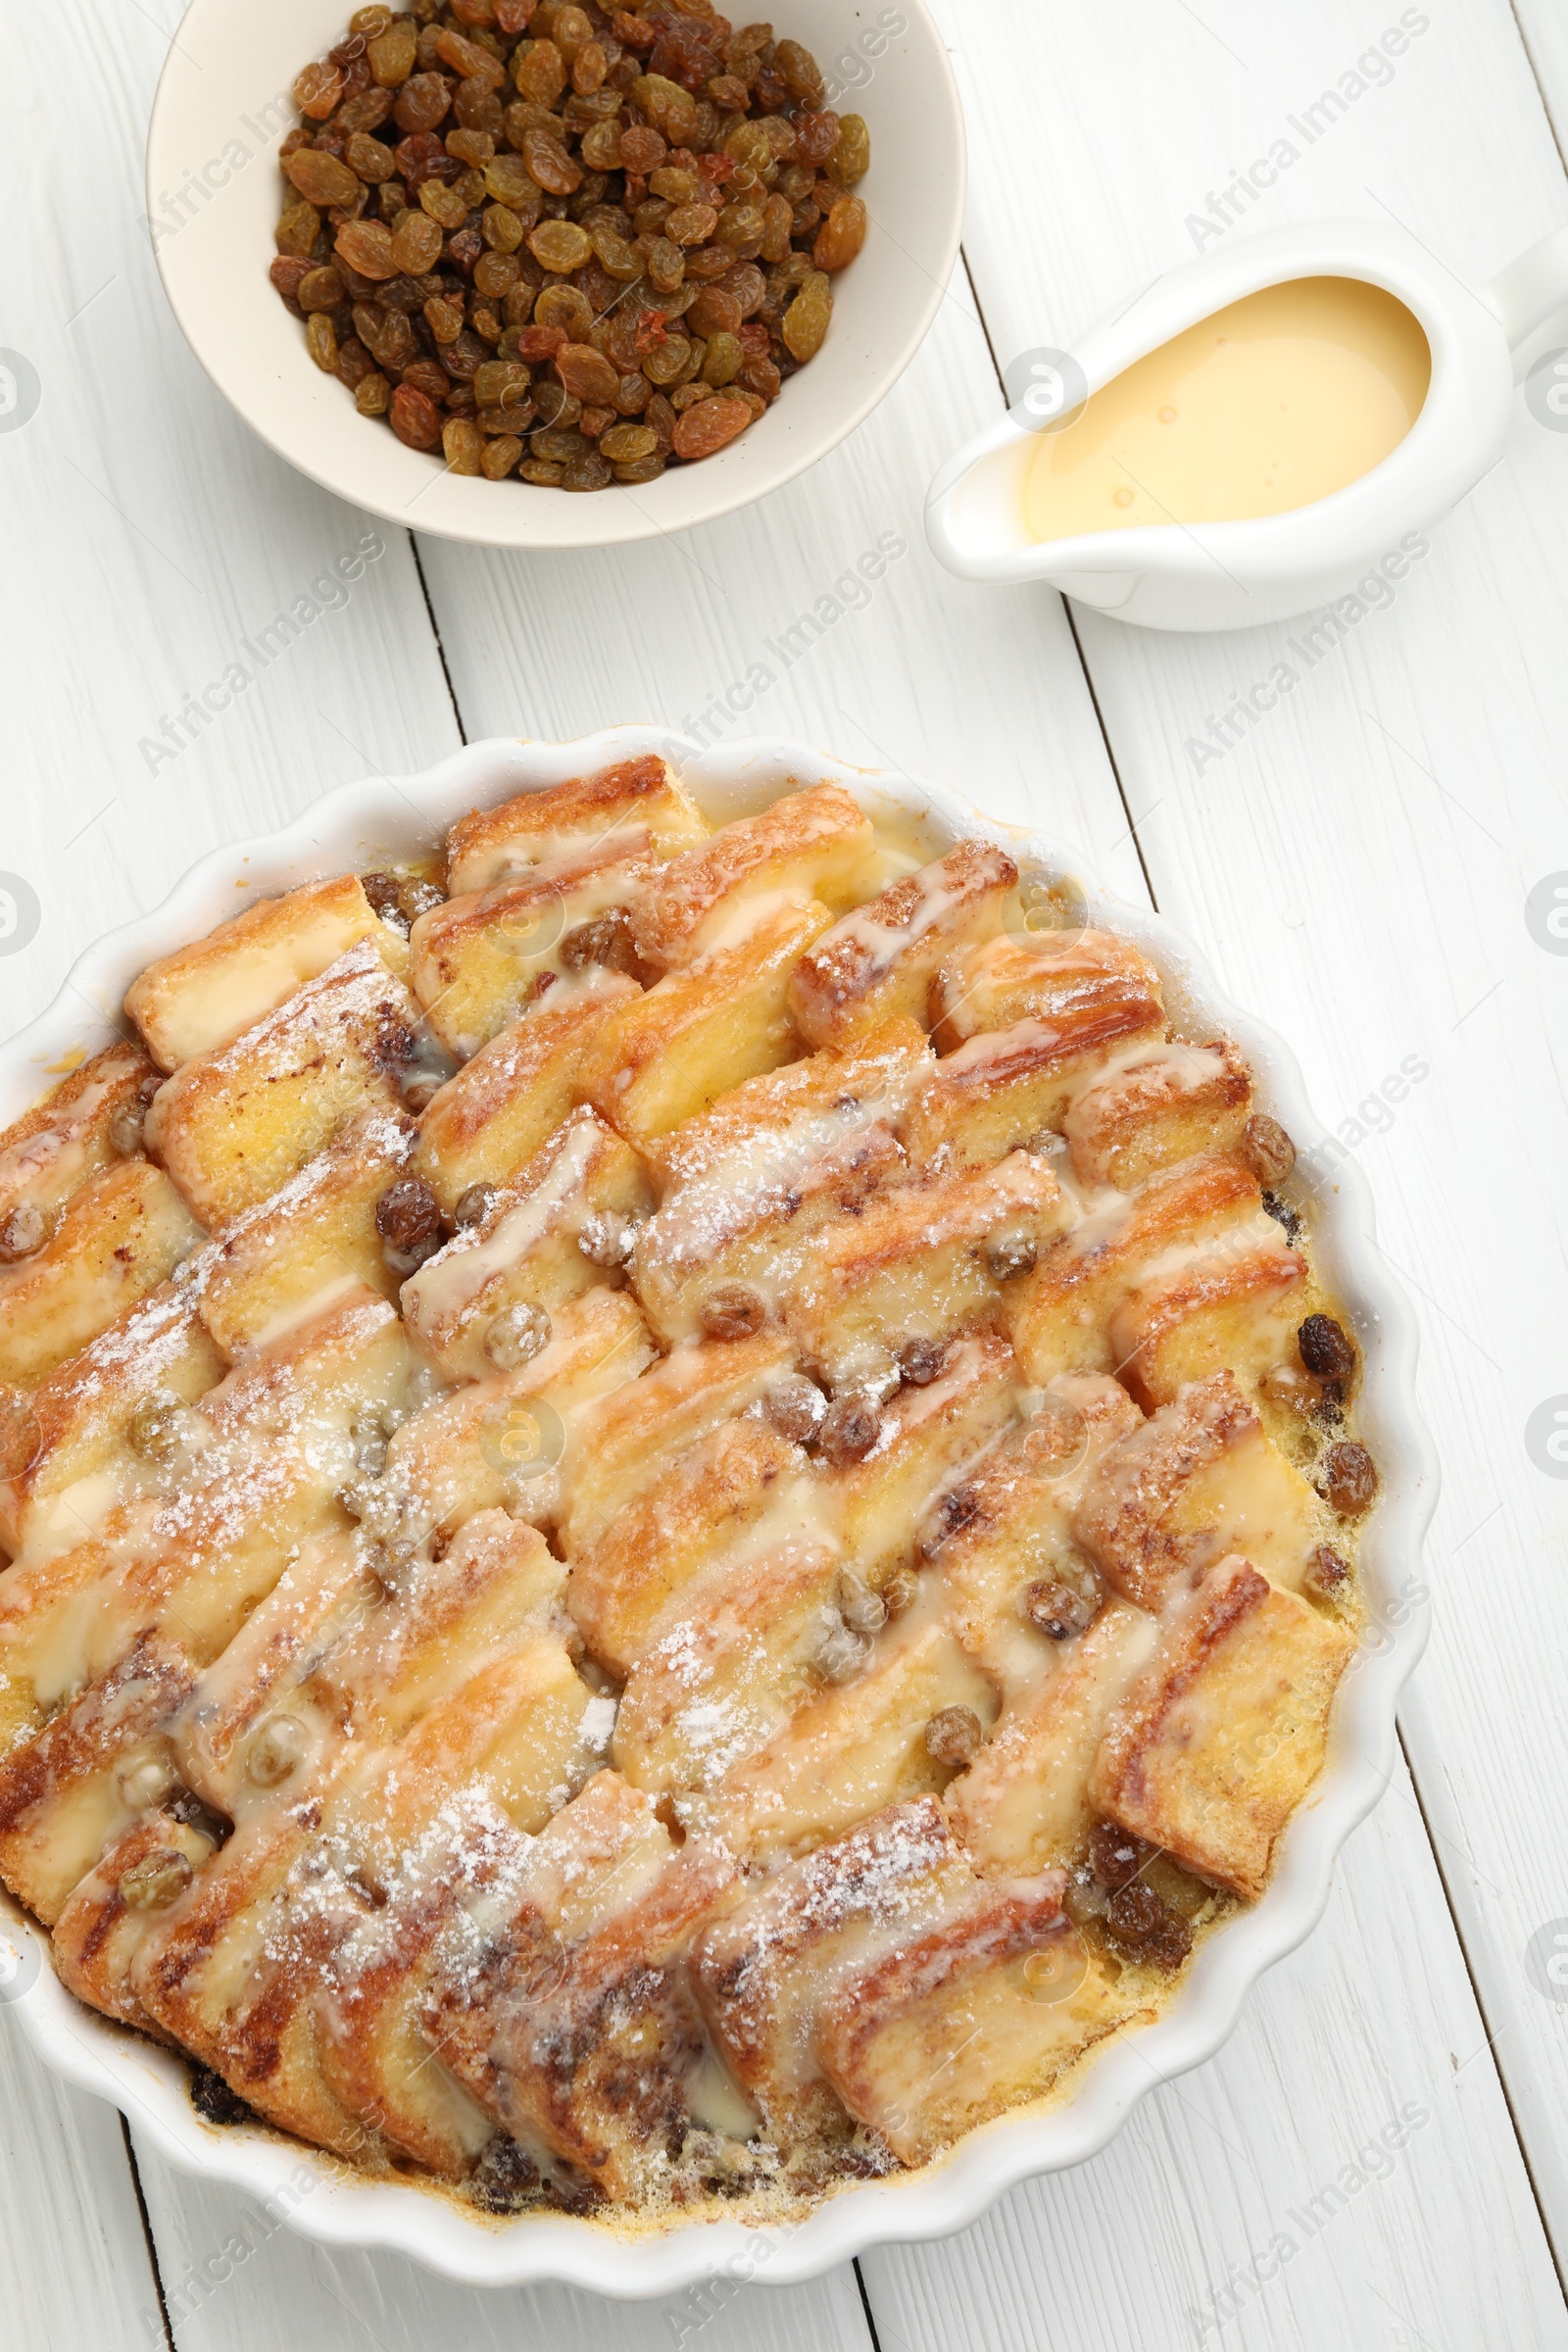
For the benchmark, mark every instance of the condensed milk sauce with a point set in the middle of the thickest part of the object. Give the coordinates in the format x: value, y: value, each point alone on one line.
x: 1282, y: 397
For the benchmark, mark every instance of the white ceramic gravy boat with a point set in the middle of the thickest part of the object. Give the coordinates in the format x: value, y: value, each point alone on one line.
x: 1234, y: 575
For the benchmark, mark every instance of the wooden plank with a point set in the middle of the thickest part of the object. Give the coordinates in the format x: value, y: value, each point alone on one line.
x: 75, y: 2267
x: 981, y: 689
x: 161, y: 539
x: 1358, y: 866
x: 272, y: 2286
x: 1342, y: 2173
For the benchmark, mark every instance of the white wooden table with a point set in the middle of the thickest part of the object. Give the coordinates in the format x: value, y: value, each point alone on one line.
x: 1358, y: 871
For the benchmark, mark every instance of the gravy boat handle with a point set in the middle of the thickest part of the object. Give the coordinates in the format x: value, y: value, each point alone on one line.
x: 1525, y: 295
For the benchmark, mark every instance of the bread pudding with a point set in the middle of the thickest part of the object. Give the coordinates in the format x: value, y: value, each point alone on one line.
x: 681, y: 1504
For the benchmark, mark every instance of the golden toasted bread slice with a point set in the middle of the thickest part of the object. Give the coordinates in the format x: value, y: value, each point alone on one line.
x: 551, y: 1234
x: 920, y: 1262
x: 702, y: 1030
x: 634, y: 809
x: 66, y: 1793
x: 715, y: 1494
x: 880, y: 961
x: 1005, y: 1529
x: 284, y: 1259
x: 1217, y: 1742
x: 234, y: 1124
x: 205, y: 995
x: 636, y: 1436
x: 101, y: 1926
x: 566, y: 2011
x: 252, y: 1725
x: 1036, y: 976
x: 238, y: 1971
x: 979, y: 2013
x: 1234, y: 1305
x: 901, y: 1496
x: 1006, y: 1087
x: 215, y: 1971
x: 1023, y: 1803
x: 117, y: 1238
x: 51, y: 1151
x: 743, y: 1185
x: 246, y: 1475
x: 1199, y: 1480
x: 1061, y: 1313
x: 509, y: 1442
x: 478, y: 961
x: 1155, y: 1106
x: 858, y: 1747
x: 75, y: 1444
x: 728, y: 1666
x: 810, y: 848
x: 764, y: 1969
x: 505, y: 1104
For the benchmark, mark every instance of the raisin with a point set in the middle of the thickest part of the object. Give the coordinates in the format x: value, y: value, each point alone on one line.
x: 155, y: 1882
x: 953, y: 1736
x: 839, y: 1653
x: 320, y: 340
x: 1267, y: 1150
x: 624, y: 444
x: 841, y: 236
x: 22, y: 1232
x: 1325, y: 1572
x: 559, y: 245
x: 408, y: 1215
x: 732, y: 1312
x: 1115, y: 1856
x: 316, y: 91
x: 851, y: 158
x: 214, y: 2101
x: 850, y: 1428
x: 392, y: 54
x: 863, y: 1610
x: 1058, y: 1610
x: 587, y: 373
x: 1146, y: 1928
x: 805, y: 322
x: 605, y: 939
x: 816, y: 135
x: 322, y: 180
x: 901, y: 1591
x: 710, y: 427
x: 382, y: 892
x: 501, y: 457
x: 606, y: 1239
x: 920, y: 1360
x: 156, y: 1428
x: 373, y: 395
x: 551, y: 166
x: 1325, y: 1349
x: 416, y: 418
x: 476, y: 1204
x: 795, y: 1407
x: 1350, y: 1479
x: 516, y: 1335
x: 422, y: 101
x: 463, y: 445
x: 1010, y: 1255
x: 505, y: 2177
x: 367, y: 247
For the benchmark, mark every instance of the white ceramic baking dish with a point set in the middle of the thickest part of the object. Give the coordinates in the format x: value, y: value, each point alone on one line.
x: 365, y: 823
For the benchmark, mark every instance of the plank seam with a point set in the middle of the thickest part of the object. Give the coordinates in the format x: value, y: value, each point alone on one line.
x: 1499, y: 2068
x: 436, y: 625
x: 147, y: 2234
x: 1535, y: 77
x: 865, y: 2306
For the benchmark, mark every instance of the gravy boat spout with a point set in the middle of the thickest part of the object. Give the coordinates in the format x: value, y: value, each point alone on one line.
x: 1235, y: 574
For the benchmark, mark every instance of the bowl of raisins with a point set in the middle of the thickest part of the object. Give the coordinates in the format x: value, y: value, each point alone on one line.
x: 464, y: 261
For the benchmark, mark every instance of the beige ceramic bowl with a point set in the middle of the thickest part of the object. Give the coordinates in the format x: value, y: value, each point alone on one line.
x: 213, y: 198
